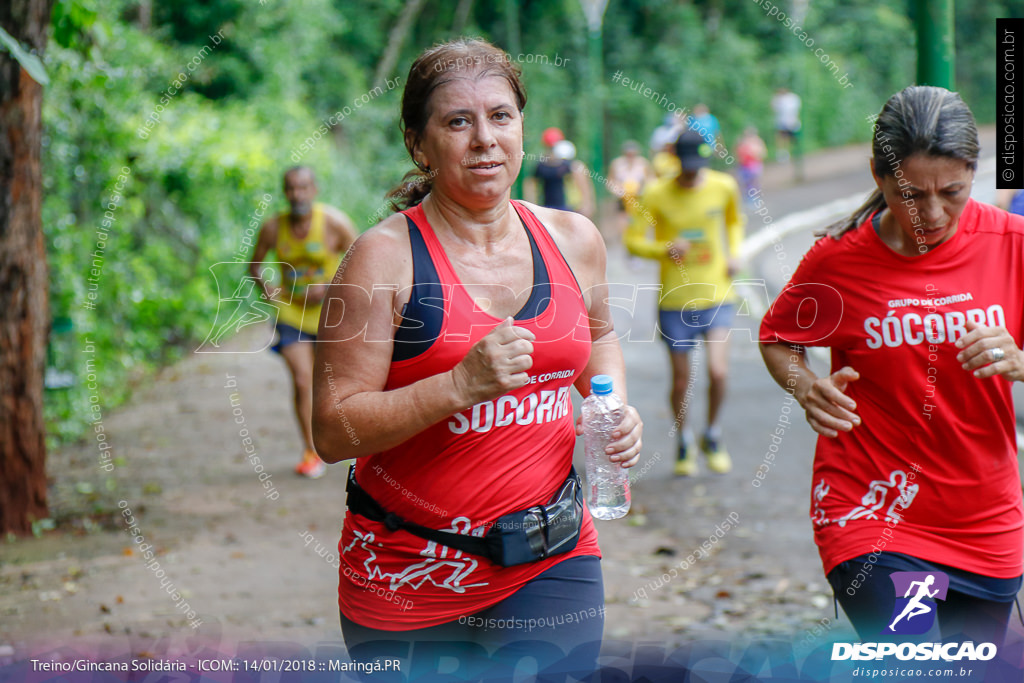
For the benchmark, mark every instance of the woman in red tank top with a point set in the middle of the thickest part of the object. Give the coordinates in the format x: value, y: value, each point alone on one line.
x: 452, y: 335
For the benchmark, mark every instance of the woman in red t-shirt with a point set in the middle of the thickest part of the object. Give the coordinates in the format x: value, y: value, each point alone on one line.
x: 919, y: 295
x: 450, y: 340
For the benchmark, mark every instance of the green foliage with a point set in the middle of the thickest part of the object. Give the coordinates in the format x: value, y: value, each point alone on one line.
x: 72, y: 21
x: 976, y: 52
x: 206, y: 126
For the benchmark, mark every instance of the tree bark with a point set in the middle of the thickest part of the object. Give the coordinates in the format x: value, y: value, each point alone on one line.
x: 145, y: 14
x: 462, y: 16
x: 24, y: 306
x: 395, y: 40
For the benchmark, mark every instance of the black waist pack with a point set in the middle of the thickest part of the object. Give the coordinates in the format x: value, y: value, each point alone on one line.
x: 516, y: 538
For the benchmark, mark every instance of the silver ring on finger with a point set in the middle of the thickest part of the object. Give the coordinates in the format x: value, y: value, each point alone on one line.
x: 998, y: 354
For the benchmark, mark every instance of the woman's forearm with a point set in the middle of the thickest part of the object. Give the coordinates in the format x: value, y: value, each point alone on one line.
x: 605, y: 359
x: 788, y: 367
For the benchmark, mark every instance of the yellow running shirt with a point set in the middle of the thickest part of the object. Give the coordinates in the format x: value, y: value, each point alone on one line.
x: 310, y: 263
x: 704, y: 216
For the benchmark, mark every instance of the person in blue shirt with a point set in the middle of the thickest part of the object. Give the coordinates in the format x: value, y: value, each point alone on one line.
x: 705, y: 123
x: 1010, y: 200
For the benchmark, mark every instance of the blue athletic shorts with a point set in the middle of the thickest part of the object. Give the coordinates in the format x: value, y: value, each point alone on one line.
x: 960, y: 580
x: 287, y: 335
x: 680, y: 329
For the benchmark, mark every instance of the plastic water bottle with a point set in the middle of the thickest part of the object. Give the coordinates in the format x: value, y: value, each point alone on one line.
x: 607, y: 481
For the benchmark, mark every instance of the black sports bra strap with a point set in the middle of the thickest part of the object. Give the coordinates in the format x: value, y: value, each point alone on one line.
x: 423, y: 315
x: 421, y: 323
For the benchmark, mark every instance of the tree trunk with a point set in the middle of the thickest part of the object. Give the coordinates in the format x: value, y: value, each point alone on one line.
x: 24, y: 307
x: 462, y: 16
x: 395, y: 40
x: 145, y: 14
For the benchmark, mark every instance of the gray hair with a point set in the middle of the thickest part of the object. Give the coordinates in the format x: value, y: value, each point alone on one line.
x: 921, y: 119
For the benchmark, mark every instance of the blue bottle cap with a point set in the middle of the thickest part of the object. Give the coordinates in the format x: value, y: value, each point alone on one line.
x: 601, y: 384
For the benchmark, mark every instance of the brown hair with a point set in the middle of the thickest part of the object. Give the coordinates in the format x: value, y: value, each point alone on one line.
x: 920, y: 119
x: 433, y: 68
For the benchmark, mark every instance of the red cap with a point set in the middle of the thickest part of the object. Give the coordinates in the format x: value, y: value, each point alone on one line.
x: 551, y: 136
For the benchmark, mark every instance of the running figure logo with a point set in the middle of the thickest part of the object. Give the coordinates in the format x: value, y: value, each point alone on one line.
x: 243, y: 308
x: 916, y: 593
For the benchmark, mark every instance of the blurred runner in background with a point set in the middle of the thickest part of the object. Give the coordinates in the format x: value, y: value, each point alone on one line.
x: 690, y: 213
x: 705, y: 123
x: 309, y: 241
x: 564, y: 181
x: 628, y: 174
x: 663, y: 141
x: 1011, y: 200
x: 750, y: 152
x: 786, y: 107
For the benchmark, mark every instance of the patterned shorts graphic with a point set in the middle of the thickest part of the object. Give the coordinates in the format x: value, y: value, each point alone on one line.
x: 916, y: 593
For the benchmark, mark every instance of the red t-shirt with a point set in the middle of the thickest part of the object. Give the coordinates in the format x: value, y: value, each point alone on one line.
x: 932, y: 469
x: 465, y: 472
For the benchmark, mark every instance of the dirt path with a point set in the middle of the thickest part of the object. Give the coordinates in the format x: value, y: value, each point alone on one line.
x: 236, y: 558
x: 241, y: 563
x: 247, y: 559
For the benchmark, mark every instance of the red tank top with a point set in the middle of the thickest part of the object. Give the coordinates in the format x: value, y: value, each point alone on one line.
x: 466, y: 471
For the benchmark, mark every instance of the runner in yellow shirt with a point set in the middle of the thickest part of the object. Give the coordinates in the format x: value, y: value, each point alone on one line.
x: 697, y: 229
x: 309, y: 240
